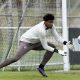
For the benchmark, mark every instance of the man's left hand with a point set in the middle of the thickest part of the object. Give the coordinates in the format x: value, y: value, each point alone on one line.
x: 69, y: 45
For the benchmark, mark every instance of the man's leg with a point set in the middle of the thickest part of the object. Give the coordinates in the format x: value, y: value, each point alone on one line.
x: 46, y: 58
x: 23, y: 48
x: 47, y: 55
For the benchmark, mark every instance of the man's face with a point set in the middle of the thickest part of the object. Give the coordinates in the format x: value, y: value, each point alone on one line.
x: 49, y: 23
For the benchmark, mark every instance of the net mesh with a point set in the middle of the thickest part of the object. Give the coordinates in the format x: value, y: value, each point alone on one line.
x: 11, y: 12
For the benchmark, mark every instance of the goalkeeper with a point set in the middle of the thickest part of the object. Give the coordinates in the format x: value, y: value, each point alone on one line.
x: 35, y: 39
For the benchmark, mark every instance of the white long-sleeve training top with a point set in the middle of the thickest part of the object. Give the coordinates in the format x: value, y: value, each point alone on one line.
x: 38, y: 34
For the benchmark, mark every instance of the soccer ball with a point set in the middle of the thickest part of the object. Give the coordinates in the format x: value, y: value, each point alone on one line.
x: 79, y: 39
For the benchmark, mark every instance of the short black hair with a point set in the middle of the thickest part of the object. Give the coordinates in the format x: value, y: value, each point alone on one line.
x: 48, y: 17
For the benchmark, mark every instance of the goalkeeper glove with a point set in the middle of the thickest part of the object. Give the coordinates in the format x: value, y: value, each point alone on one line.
x: 61, y: 52
x: 68, y: 44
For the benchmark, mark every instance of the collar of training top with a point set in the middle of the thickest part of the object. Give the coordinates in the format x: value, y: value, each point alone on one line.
x: 46, y: 28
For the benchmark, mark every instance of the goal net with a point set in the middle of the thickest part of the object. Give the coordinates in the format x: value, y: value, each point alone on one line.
x: 17, y: 16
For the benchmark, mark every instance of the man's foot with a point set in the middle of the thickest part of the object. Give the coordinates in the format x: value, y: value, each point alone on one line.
x: 42, y: 72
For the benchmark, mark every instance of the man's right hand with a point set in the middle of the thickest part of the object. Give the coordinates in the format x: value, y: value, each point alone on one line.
x: 61, y: 52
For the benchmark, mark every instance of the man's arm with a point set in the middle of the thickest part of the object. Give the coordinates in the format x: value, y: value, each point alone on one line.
x: 56, y: 35
x: 60, y: 39
x: 44, y: 42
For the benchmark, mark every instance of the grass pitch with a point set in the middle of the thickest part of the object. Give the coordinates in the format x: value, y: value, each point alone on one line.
x: 34, y: 75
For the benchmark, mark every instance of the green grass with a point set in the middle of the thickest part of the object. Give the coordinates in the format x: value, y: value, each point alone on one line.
x: 34, y: 75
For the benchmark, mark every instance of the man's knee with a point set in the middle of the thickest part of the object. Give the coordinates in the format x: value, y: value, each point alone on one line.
x: 51, y: 45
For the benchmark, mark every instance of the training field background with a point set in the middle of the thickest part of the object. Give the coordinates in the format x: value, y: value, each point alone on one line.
x: 34, y: 75
x: 9, y: 21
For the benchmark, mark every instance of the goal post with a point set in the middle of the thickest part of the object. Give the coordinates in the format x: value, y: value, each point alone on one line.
x: 65, y: 35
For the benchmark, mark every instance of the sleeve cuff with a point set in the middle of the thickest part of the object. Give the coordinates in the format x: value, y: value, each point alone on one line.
x: 64, y: 42
x: 55, y: 50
